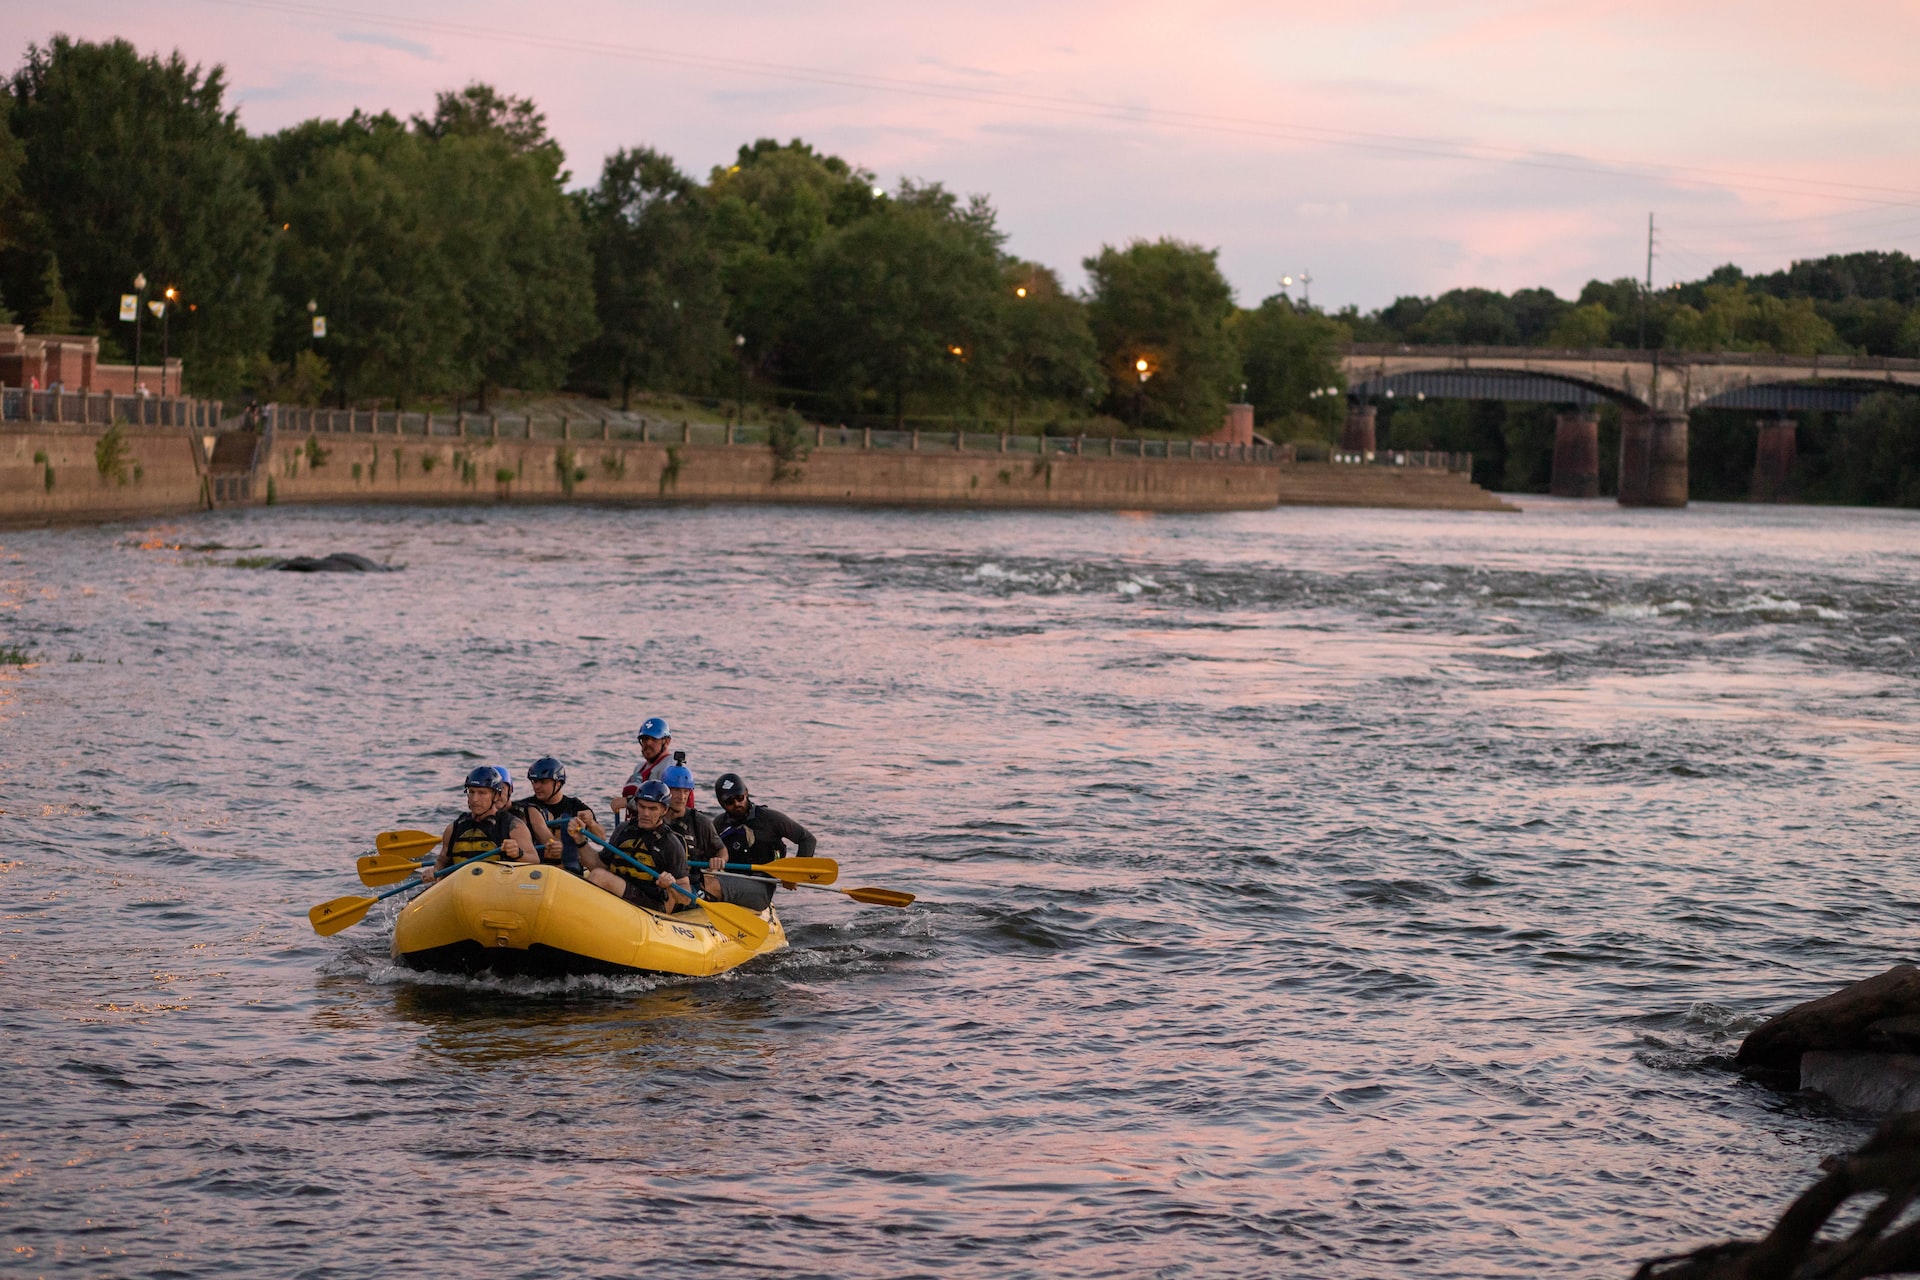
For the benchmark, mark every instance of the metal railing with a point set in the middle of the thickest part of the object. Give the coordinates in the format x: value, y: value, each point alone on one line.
x: 495, y: 426
x: 1426, y: 459
x: 105, y: 408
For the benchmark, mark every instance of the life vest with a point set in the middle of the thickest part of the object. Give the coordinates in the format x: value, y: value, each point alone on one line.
x: 473, y: 835
x: 647, y: 846
x: 557, y: 816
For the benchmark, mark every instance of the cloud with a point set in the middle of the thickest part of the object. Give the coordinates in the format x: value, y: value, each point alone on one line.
x: 385, y: 41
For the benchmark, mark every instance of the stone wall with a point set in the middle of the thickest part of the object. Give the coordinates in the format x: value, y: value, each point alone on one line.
x: 349, y: 468
x: 52, y: 474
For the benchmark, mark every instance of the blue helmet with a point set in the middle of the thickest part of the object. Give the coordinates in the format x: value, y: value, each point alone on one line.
x: 655, y: 791
x: 678, y: 777
x: 655, y: 728
x: 492, y: 777
x: 545, y: 769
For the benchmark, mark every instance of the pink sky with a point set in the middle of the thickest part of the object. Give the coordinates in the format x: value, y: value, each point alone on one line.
x: 1386, y: 147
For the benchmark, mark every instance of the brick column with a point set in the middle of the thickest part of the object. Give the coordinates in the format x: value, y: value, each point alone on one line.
x: 1357, y: 435
x: 1636, y: 457
x: 1576, y: 455
x: 1773, y: 460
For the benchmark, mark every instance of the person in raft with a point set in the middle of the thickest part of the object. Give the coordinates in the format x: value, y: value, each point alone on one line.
x: 645, y: 837
x: 556, y: 810
x: 488, y: 823
x: 695, y: 829
x: 655, y: 759
x: 769, y: 829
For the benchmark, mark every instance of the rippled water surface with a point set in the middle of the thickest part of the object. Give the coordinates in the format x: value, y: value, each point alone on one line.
x: 1305, y: 892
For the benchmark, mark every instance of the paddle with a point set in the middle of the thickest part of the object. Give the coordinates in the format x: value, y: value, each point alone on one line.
x: 380, y: 869
x: 406, y: 844
x: 743, y: 926
x: 814, y: 871
x: 878, y: 897
x: 330, y: 918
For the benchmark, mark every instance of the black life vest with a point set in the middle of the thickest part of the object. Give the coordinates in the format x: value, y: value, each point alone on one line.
x: 473, y: 835
x: 557, y: 815
x: 654, y: 847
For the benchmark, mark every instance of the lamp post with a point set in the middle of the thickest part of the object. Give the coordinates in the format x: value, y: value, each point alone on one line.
x: 166, y: 313
x: 139, y: 305
x: 740, y: 378
x: 1145, y: 371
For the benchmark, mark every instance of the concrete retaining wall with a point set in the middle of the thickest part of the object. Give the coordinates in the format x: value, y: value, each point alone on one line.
x: 167, y: 471
x: 54, y: 474
x: 345, y: 468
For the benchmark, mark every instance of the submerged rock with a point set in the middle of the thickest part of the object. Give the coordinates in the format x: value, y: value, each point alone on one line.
x: 1878, y: 1082
x: 1879, y: 1013
x: 338, y: 562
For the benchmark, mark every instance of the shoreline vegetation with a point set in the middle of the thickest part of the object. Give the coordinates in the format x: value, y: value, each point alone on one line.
x: 455, y: 255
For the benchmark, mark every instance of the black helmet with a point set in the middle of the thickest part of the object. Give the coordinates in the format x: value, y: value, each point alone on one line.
x: 654, y: 791
x: 728, y: 786
x: 738, y: 840
x: 546, y: 769
x: 492, y: 777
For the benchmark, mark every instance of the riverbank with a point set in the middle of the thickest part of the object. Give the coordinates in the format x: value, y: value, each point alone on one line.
x: 70, y: 474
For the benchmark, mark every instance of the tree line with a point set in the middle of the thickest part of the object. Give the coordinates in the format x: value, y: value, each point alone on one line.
x: 454, y: 255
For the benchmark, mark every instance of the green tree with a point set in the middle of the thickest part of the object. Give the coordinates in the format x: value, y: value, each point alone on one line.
x: 903, y: 299
x: 770, y: 210
x: 1166, y: 303
x: 1291, y: 358
x: 56, y: 313
x: 1583, y: 327
x: 364, y: 240
x: 1737, y: 319
x: 134, y: 165
x: 514, y: 241
x: 1042, y: 349
x: 656, y: 278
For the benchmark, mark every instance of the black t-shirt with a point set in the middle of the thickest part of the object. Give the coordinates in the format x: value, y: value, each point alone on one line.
x: 557, y: 815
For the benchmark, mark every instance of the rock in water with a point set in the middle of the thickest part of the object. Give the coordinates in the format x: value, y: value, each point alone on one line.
x: 1856, y: 1018
x: 338, y: 562
x: 1878, y: 1243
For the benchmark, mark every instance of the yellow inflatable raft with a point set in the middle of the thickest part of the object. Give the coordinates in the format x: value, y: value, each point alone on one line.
x: 542, y: 921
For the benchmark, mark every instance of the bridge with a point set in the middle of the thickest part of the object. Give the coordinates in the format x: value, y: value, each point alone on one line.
x: 1655, y: 391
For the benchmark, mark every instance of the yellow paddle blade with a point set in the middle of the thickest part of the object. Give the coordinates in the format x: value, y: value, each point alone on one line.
x: 406, y: 844
x: 743, y: 926
x: 330, y: 918
x: 802, y: 870
x: 379, y: 869
x: 879, y: 897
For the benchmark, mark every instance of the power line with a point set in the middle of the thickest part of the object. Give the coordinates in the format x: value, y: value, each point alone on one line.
x: 1428, y: 148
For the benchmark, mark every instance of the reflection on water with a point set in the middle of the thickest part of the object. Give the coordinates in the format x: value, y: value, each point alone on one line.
x: 1302, y: 892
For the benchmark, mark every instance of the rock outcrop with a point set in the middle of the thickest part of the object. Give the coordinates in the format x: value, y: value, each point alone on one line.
x: 1886, y: 1169
x: 1879, y: 1015
x: 338, y: 562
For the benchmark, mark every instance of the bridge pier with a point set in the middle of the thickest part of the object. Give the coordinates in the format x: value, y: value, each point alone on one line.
x: 1356, y: 435
x: 1653, y: 458
x: 1773, y: 460
x: 1576, y: 455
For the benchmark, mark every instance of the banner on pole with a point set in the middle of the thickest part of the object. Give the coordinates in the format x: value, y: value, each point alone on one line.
x: 129, y: 307
x: 319, y: 326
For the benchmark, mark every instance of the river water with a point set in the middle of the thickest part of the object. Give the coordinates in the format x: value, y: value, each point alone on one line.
x: 1333, y: 893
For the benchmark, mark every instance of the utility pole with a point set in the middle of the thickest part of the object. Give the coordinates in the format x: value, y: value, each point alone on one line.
x: 1647, y: 293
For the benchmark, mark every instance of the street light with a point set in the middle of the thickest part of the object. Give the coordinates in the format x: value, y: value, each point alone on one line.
x: 1145, y: 371
x: 740, y: 377
x: 139, y: 305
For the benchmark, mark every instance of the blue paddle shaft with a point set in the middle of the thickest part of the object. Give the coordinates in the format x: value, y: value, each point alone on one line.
x: 635, y: 863
x: 416, y: 882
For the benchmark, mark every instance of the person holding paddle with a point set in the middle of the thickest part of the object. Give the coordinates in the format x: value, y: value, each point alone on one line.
x: 488, y: 823
x: 645, y: 837
x: 556, y: 810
